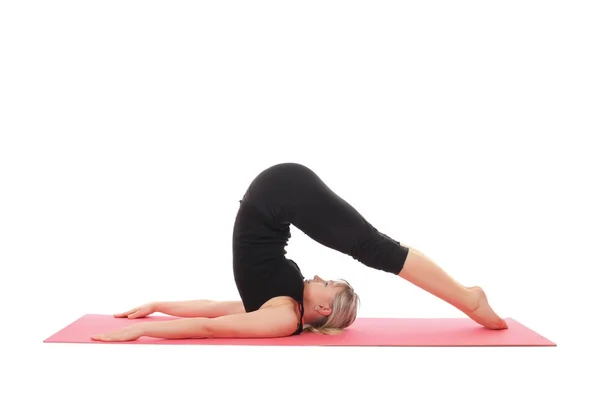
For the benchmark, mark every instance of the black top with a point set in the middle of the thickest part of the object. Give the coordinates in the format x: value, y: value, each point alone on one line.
x: 261, y: 270
x: 287, y: 194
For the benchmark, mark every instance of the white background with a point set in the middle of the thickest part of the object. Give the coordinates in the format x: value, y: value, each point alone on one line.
x: 130, y: 130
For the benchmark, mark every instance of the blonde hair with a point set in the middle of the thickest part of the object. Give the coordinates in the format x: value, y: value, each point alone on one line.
x: 343, y: 312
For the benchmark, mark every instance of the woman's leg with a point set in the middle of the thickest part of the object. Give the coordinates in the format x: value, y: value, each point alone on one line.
x: 297, y: 195
x: 293, y: 194
x: 424, y: 273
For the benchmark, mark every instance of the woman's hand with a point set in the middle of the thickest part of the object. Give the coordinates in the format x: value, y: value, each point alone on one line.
x: 180, y: 328
x: 129, y: 333
x: 138, y: 312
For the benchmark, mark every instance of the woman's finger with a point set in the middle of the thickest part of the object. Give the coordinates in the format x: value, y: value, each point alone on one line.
x: 141, y: 312
x: 137, y: 314
x: 119, y: 335
x: 127, y: 313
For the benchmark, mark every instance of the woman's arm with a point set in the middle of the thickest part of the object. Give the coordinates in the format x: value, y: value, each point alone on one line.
x: 199, y: 308
x: 188, y: 309
x: 264, y: 323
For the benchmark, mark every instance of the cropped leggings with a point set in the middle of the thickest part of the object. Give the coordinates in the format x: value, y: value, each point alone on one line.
x: 291, y: 193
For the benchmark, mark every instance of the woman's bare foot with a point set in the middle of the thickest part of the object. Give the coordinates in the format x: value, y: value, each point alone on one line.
x: 424, y: 273
x: 481, y: 312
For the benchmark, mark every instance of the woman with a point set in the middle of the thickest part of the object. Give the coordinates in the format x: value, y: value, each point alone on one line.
x: 276, y: 300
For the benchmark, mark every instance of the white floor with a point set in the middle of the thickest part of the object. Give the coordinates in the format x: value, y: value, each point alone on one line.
x: 75, y: 371
x: 180, y: 372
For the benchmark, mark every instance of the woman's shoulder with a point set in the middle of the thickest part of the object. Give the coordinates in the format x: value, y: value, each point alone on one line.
x: 285, y: 302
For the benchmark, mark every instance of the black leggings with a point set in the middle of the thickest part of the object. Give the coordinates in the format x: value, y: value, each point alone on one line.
x: 291, y: 193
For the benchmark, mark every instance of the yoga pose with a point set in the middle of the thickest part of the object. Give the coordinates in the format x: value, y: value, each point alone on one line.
x: 276, y: 299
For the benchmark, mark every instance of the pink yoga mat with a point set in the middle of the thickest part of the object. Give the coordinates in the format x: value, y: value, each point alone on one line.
x: 364, y: 332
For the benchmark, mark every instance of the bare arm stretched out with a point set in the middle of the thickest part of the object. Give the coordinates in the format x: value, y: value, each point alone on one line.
x: 276, y: 320
x: 187, y: 309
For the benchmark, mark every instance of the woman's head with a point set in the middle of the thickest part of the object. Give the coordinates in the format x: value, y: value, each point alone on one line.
x: 329, y: 306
